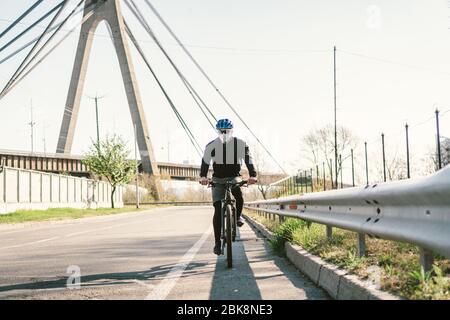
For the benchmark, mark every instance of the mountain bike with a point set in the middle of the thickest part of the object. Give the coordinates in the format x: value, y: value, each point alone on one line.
x: 229, y: 219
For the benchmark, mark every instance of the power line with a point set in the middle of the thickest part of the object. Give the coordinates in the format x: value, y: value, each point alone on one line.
x: 210, y: 47
x: 386, y: 61
x: 211, y: 82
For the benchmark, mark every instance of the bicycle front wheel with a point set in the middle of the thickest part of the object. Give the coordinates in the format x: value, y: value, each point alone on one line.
x: 229, y: 236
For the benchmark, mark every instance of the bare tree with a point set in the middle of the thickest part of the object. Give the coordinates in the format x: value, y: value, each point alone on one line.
x: 318, y: 145
x: 396, y: 168
x: 445, y: 153
x: 264, y: 180
x: 431, y: 162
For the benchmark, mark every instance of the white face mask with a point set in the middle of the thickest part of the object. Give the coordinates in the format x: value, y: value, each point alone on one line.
x: 225, y: 137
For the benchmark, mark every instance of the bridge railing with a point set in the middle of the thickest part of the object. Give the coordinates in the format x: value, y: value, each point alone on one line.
x: 416, y: 211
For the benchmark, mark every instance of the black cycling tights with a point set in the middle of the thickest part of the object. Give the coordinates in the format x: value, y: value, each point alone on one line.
x: 217, y: 222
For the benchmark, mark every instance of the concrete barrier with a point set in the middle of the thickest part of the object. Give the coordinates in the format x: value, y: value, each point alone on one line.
x: 32, y: 190
x: 337, y: 282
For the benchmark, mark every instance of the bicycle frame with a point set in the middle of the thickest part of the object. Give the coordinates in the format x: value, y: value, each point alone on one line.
x: 229, y: 223
x: 228, y: 200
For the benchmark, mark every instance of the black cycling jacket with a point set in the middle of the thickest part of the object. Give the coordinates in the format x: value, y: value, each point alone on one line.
x: 227, y: 158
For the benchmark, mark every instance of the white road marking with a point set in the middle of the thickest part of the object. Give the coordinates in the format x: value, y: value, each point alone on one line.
x: 142, y: 283
x: 30, y: 243
x: 74, y: 234
x: 162, y: 290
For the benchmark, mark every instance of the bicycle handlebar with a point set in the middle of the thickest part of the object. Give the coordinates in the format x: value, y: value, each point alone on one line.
x: 234, y: 184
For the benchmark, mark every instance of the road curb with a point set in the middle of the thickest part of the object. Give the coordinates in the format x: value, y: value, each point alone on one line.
x: 337, y: 282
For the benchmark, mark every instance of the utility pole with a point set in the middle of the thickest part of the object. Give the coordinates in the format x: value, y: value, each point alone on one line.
x: 317, y: 175
x: 438, y: 141
x: 324, y: 177
x: 96, y: 98
x: 137, y: 167
x: 335, y: 122
x: 32, y: 124
x: 367, y: 164
x: 331, y: 174
x: 407, y: 151
x: 353, y: 169
x: 384, y: 157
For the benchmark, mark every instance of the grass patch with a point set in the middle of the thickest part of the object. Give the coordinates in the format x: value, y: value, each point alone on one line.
x: 393, y: 266
x: 60, y: 214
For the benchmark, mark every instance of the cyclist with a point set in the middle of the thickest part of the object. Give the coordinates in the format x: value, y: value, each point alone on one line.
x: 227, y: 153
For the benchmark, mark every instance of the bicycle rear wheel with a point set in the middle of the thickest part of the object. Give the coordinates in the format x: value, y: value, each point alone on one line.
x: 229, y: 236
x: 234, y: 223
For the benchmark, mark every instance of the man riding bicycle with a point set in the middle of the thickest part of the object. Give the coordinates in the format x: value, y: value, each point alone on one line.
x: 227, y: 154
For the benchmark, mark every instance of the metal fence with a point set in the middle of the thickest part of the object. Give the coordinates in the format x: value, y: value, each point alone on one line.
x: 415, y: 211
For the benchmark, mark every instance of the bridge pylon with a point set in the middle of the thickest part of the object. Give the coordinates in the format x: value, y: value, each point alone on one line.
x: 96, y: 11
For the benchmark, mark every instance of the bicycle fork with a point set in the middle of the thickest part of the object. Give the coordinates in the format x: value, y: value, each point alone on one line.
x: 226, y: 202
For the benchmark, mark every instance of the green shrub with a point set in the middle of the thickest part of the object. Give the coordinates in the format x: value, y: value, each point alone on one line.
x: 285, y: 233
x: 431, y: 285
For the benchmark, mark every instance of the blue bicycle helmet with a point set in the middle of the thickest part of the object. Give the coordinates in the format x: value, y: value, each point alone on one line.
x: 224, y: 124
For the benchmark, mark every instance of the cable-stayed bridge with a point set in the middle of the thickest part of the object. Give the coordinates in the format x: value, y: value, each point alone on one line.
x: 170, y: 255
x: 109, y: 11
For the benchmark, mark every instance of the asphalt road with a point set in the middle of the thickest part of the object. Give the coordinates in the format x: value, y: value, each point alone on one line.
x: 158, y: 254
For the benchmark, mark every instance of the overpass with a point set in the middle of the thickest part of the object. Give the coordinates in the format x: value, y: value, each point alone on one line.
x: 73, y: 165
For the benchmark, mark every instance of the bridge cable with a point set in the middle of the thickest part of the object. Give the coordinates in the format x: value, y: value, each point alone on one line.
x: 135, y: 10
x: 24, y: 65
x: 34, y: 47
x: 178, y: 115
x: 26, y: 13
x: 20, y: 35
x: 11, y: 55
x: 85, y: 18
x: 47, y: 42
x: 211, y: 82
x: 169, y: 100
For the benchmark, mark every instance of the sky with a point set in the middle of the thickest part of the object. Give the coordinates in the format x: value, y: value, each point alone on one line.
x: 272, y: 59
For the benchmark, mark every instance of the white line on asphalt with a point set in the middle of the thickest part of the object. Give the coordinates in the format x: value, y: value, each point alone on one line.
x: 162, y: 290
x: 74, y: 234
x: 142, y: 283
x: 30, y: 243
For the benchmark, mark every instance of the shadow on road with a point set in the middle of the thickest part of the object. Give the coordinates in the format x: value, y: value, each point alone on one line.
x: 241, y: 282
x: 237, y: 283
x: 288, y: 270
x: 106, y: 279
x: 140, y: 253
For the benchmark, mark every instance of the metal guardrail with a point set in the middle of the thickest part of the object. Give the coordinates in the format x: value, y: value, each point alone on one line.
x: 415, y: 211
x: 178, y: 203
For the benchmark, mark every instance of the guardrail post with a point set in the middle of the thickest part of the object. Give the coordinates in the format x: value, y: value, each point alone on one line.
x: 329, y: 232
x: 426, y: 259
x: 361, y: 246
